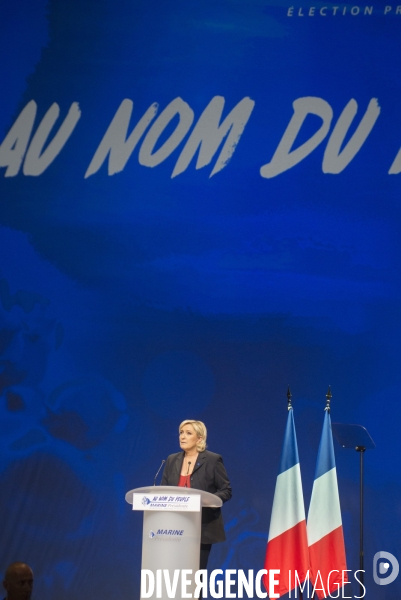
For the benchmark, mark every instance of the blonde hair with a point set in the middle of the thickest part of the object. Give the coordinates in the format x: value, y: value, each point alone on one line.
x: 200, y: 430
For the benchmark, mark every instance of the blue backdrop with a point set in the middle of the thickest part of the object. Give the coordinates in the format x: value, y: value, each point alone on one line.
x: 199, y: 206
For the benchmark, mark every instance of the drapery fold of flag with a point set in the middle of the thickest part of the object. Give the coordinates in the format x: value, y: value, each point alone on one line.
x: 287, y: 546
x: 325, y: 531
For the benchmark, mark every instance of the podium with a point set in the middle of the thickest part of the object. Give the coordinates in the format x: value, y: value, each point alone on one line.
x: 171, y: 528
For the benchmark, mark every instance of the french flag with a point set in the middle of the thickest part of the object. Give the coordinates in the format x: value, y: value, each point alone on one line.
x: 325, y: 530
x: 287, y: 546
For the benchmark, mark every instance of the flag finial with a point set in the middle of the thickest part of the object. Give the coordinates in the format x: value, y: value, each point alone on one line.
x: 289, y: 396
x: 328, y: 399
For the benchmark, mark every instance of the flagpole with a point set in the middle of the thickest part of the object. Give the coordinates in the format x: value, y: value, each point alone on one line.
x: 289, y: 396
x: 325, y: 531
x: 329, y: 396
x: 328, y: 399
x: 289, y: 407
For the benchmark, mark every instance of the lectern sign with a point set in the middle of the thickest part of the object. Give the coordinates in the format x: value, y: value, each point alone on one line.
x: 167, y: 502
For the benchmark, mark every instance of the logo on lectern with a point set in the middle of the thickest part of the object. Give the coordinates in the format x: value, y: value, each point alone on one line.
x: 145, y: 501
x: 167, y: 534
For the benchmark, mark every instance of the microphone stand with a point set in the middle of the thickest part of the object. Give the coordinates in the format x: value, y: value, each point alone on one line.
x: 186, y: 476
x: 154, y: 481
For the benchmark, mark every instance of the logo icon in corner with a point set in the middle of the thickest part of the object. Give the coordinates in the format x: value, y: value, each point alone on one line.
x: 145, y: 501
x: 151, y: 534
x: 383, y: 563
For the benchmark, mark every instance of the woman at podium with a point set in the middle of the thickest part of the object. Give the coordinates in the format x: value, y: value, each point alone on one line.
x: 197, y: 468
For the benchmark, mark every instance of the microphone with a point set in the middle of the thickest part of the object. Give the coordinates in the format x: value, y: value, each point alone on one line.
x: 158, y: 471
x: 186, y: 476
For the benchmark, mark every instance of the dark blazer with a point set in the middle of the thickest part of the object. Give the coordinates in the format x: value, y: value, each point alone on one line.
x: 208, y: 475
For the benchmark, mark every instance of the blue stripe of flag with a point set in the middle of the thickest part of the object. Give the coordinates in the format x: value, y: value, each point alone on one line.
x: 289, y: 453
x: 325, y: 457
